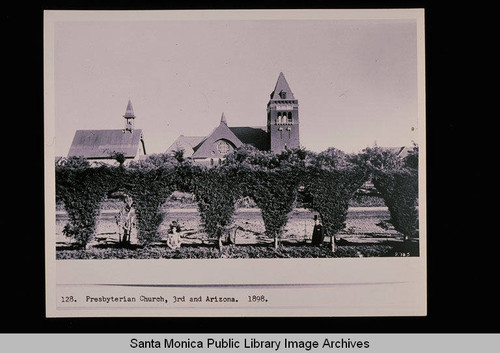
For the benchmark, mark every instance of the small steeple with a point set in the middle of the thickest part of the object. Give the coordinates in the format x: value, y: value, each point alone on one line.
x: 129, y: 117
x: 223, y: 119
x: 129, y: 113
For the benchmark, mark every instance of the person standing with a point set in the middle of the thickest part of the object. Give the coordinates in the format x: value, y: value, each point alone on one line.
x: 318, y: 235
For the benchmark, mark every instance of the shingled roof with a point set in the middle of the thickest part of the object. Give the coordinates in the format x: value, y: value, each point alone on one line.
x: 186, y: 144
x: 101, y: 144
x: 255, y: 136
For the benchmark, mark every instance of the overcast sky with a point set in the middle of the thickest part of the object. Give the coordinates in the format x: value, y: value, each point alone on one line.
x: 355, y: 80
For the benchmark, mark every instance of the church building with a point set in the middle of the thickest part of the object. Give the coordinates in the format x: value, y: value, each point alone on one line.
x: 101, y: 146
x: 280, y: 133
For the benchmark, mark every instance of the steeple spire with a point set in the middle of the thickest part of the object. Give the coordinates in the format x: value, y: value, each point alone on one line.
x: 223, y: 119
x: 129, y: 113
x: 282, y: 89
x: 129, y: 117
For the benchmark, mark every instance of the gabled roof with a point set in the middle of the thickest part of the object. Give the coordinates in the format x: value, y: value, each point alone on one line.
x: 255, y: 136
x: 186, y: 144
x: 205, y: 149
x: 282, y: 86
x: 101, y: 144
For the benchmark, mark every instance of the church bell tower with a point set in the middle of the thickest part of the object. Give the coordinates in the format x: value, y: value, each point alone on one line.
x: 129, y: 117
x: 283, y: 118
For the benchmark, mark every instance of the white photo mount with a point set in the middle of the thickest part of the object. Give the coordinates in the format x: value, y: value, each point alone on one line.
x: 224, y: 287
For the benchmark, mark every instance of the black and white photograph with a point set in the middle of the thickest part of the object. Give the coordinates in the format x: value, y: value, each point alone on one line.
x: 235, y: 163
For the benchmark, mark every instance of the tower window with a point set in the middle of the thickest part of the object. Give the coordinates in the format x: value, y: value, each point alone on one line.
x: 290, y: 120
x: 283, y: 95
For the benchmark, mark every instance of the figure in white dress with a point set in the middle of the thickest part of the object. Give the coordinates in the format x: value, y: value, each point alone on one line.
x: 173, y: 236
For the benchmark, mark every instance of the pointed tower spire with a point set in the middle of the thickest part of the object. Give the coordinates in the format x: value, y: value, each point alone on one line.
x: 223, y: 119
x: 129, y: 117
x: 283, y: 117
x: 282, y: 89
x: 129, y: 113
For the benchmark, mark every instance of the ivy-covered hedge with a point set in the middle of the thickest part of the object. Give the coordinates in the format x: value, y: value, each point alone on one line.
x: 216, y: 191
x: 81, y: 190
x: 275, y: 193
x: 330, y: 191
x: 399, y: 188
x: 149, y: 189
x: 329, y: 179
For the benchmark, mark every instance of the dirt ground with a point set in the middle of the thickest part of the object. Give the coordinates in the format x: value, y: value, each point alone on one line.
x: 363, y: 225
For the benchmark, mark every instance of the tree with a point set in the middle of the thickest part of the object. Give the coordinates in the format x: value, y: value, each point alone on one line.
x: 411, y: 160
x: 216, y: 191
x: 399, y: 188
x: 275, y: 193
x: 331, y: 158
x: 377, y: 158
x: 179, y: 156
x: 149, y: 188
x: 272, y: 181
x: 82, y: 190
x: 119, y: 157
x: 153, y: 161
x: 330, y: 192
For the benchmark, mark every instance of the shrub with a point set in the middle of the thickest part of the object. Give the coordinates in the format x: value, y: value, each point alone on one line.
x: 216, y: 191
x: 377, y: 158
x: 81, y: 190
x: 275, y: 193
x: 327, y: 182
x: 411, y: 160
x: 400, y: 192
x: 272, y: 181
x: 149, y: 188
x: 330, y: 192
x: 155, y: 160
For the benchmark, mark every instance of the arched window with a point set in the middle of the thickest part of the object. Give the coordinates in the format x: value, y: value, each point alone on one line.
x: 290, y: 119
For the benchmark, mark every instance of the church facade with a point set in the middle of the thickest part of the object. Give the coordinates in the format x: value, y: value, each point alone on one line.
x: 280, y: 133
